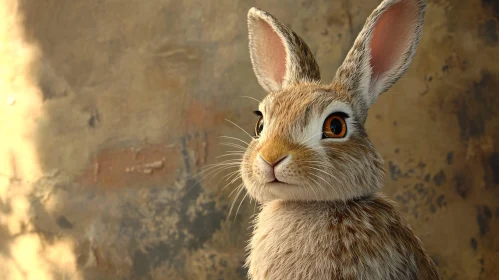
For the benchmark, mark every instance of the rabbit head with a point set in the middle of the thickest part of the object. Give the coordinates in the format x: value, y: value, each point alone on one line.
x: 310, y: 142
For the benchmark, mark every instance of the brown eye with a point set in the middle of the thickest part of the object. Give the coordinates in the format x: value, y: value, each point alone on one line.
x: 259, y: 124
x: 335, y: 126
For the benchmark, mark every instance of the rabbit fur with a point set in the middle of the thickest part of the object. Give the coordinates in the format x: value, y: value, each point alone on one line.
x: 322, y: 216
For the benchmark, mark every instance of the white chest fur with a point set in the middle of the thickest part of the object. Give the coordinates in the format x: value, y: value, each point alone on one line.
x: 327, y: 240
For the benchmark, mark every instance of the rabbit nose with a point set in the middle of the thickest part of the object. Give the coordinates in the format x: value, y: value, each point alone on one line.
x: 276, y: 162
x: 268, y: 167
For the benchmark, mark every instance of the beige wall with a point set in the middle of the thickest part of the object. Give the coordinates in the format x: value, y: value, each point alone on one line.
x: 108, y: 110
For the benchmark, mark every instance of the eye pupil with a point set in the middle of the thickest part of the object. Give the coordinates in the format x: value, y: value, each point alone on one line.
x: 336, y: 126
x: 259, y: 126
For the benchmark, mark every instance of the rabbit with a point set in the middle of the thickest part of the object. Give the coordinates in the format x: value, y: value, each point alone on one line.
x: 311, y: 165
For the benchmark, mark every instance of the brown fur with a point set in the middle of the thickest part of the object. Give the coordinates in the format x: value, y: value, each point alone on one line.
x: 322, y: 215
x: 357, y: 239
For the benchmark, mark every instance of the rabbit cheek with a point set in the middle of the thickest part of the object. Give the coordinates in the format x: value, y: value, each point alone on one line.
x: 247, y: 173
x: 252, y: 177
x: 358, y: 168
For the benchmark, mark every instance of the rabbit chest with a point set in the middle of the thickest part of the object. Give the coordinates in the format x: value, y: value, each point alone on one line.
x: 330, y: 240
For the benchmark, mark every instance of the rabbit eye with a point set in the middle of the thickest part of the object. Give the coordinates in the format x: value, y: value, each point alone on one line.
x: 259, y: 124
x: 335, y: 126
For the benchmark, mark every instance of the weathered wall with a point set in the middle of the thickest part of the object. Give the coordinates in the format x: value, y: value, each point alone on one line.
x: 108, y: 110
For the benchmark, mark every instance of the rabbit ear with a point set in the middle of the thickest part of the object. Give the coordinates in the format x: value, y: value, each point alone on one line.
x: 280, y: 57
x: 383, y: 50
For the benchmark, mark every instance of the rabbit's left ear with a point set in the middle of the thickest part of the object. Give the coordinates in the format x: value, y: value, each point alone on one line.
x: 383, y: 50
x: 280, y: 57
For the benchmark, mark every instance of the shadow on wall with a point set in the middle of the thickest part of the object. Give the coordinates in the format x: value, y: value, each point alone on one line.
x: 109, y: 109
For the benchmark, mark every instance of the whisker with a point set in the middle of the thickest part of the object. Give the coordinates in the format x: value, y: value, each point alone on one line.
x: 319, y: 163
x: 317, y: 184
x: 225, y: 162
x: 231, y: 160
x: 235, y: 152
x: 234, y: 138
x: 242, y: 200
x: 237, y: 145
x: 320, y: 170
x: 240, y: 185
x: 324, y: 181
x: 234, y: 145
x: 227, y: 168
x: 214, y: 171
x: 236, y: 189
x: 230, y: 154
x: 234, y: 176
x: 241, y: 188
x: 231, y: 182
x: 210, y: 168
x: 312, y: 137
x: 251, y: 98
x: 214, y: 174
x: 230, y: 175
x: 312, y: 188
x: 240, y: 128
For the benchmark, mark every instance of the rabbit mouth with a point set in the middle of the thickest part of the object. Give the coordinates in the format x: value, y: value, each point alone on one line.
x: 277, y: 183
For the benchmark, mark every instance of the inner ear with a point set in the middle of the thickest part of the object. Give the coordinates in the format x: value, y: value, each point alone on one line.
x: 271, y: 52
x: 391, y: 35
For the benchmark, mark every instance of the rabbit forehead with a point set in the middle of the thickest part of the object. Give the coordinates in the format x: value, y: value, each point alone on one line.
x: 292, y: 103
x: 297, y: 114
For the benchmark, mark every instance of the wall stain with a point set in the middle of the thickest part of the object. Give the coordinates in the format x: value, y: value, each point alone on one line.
x: 477, y: 107
x: 418, y: 198
x: 488, y: 32
x: 483, y: 217
x: 439, y: 178
x: 140, y: 266
x: 462, y: 184
x: 63, y: 222
x: 427, y: 177
x: 441, y: 201
x: 493, y: 169
x: 433, y: 208
x: 482, y: 267
x: 94, y: 119
x: 473, y: 243
x: 450, y: 157
x: 396, y: 173
x: 196, y: 223
x: 492, y: 5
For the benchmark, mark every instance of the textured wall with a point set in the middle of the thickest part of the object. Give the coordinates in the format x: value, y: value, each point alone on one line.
x: 108, y: 110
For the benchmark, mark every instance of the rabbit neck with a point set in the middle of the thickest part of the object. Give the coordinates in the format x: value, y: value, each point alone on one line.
x: 315, y: 240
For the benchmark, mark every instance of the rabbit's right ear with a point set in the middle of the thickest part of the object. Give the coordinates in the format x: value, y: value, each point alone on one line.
x: 280, y: 57
x: 383, y: 50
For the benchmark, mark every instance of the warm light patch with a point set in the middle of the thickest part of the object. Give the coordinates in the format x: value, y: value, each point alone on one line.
x: 24, y: 254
